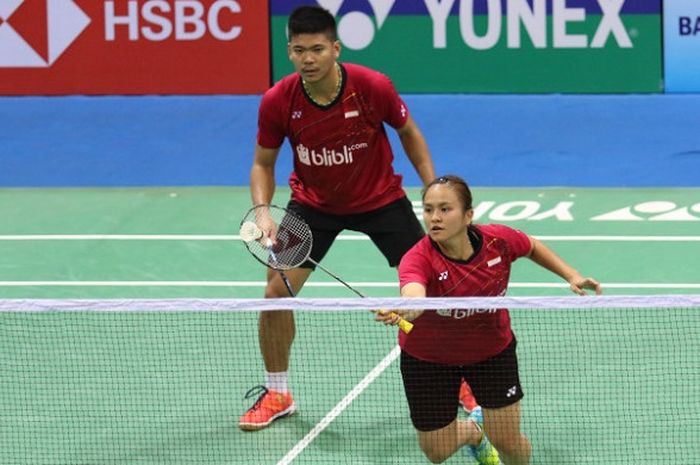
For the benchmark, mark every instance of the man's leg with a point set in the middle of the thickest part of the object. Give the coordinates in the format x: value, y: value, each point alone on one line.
x: 276, y: 333
x: 276, y: 328
x: 502, y: 426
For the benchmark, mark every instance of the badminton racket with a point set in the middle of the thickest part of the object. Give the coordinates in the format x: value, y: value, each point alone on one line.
x: 281, y: 240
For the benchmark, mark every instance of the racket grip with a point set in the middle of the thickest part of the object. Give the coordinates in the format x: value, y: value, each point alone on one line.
x: 405, y: 325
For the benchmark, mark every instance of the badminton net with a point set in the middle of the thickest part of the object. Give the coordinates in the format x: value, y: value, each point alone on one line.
x: 609, y: 379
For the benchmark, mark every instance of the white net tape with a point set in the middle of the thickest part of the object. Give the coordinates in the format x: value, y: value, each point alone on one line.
x: 345, y: 304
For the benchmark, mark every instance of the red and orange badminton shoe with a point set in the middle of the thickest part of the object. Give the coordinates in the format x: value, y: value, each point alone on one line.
x: 270, y: 406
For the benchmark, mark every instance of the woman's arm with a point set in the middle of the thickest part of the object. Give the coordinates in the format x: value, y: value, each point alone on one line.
x: 546, y: 258
x: 392, y: 317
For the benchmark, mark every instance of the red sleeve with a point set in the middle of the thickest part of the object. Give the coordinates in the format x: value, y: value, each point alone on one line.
x: 271, y: 131
x: 518, y: 242
x: 392, y: 108
x: 414, y: 268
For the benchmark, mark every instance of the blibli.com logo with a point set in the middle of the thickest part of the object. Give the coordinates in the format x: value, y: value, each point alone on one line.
x: 34, y: 34
x: 328, y: 157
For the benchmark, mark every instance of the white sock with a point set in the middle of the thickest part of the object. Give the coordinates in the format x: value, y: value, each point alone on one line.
x: 276, y: 381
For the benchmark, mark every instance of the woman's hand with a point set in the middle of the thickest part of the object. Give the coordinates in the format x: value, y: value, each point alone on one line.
x: 578, y: 284
x: 393, y: 317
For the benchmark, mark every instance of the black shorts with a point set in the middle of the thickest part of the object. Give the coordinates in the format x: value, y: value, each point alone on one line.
x: 393, y: 228
x: 432, y: 389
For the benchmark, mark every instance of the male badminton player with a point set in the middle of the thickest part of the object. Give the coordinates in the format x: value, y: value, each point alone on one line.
x: 458, y: 258
x: 333, y: 115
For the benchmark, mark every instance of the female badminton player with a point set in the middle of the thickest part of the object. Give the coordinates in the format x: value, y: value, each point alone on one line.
x: 461, y: 259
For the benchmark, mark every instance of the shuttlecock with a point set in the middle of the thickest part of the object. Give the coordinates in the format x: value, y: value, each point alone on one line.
x: 250, y: 232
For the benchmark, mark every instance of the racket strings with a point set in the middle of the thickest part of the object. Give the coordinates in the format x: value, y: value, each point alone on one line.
x: 291, y: 246
x: 292, y: 241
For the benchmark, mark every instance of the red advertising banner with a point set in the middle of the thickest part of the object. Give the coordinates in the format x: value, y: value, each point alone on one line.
x: 54, y: 47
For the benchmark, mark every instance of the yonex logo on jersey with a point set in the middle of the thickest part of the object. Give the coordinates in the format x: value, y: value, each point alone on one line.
x: 443, y: 276
x: 296, y: 114
x: 33, y: 34
x: 512, y: 391
x: 327, y: 157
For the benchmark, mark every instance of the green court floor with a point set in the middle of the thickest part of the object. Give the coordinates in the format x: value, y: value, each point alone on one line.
x: 602, y: 386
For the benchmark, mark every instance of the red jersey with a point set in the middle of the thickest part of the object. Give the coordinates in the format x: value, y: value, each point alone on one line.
x: 342, y: 156
x: 466, y: 335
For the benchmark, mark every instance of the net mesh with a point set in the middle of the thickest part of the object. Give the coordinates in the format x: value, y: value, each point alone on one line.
x: 610, y: 380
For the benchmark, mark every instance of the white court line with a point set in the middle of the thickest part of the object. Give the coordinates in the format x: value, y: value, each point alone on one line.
x: 119, y: 237
x: 342, y: 237
x: 390, y: 284
x: 340, y: 406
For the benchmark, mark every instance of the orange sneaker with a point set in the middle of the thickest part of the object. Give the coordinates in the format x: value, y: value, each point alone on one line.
x: 466, y: 398
x: 270, y: 406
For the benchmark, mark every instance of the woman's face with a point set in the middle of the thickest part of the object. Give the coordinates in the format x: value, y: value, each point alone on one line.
x: 443, y: 213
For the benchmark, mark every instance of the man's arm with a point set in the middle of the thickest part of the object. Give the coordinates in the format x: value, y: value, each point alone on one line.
x: 417, y: 150
x: 262, y: 186
x: 546, y: 258
x: 262, y: 175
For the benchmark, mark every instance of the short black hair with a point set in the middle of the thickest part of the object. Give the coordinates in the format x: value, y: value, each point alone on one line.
x: 312, y: 20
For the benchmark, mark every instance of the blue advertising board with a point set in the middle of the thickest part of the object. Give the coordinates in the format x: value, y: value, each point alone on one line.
x: 682, y: 45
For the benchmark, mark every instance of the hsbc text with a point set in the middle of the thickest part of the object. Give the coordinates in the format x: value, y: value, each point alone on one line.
x: 158, y: 20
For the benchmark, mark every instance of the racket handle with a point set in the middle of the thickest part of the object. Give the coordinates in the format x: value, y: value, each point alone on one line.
x: 405, y: 325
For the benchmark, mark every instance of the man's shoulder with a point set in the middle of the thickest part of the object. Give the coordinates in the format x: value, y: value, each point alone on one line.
x: 363, y: 74
x: 361, y: 70
x: 282, y: 88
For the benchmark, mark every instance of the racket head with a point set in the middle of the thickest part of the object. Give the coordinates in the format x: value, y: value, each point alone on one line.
x: 291, y: 241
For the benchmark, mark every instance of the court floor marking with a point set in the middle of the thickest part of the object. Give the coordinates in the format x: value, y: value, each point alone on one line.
x: 340, y: 406
x: 342, y: 237
x: 390, y: 284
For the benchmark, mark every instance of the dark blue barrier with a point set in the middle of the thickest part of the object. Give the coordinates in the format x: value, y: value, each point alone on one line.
x: 499, y: 140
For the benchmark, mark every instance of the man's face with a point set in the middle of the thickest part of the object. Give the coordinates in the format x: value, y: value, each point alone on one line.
x: 313, y: 55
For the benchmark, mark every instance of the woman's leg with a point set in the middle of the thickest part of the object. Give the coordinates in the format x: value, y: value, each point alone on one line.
x: 502, y: 427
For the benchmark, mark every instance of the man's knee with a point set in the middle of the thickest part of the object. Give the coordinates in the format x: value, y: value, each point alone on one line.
x: 273, y: 290
x: 276, y: 287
